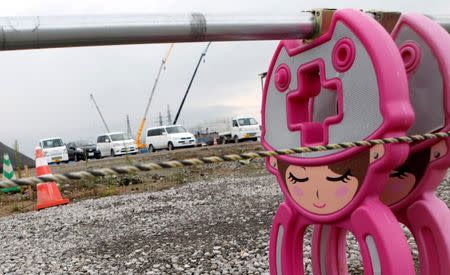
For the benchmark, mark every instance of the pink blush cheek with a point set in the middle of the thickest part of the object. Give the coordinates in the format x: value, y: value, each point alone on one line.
x: 297, y: 192
x: 342, y: 191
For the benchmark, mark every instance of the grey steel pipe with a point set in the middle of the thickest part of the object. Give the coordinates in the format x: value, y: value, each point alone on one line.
x: 71, y: 31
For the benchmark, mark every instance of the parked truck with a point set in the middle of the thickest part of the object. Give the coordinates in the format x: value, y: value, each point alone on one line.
x: 239, y: 129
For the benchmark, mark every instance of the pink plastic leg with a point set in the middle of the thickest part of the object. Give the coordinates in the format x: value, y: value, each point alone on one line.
x: 429, y: 222
x: 285, y: 247
x: 328, y: 250
x: 383, y: 247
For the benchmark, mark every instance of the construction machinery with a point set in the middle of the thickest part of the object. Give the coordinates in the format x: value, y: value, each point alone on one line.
x: 190, y: 82
x: 144, y: 118
x: 100, y: 113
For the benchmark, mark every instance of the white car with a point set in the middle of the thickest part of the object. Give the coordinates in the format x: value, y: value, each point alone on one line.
x: 54, y: 150
x: 115, y: 144
x: 168, y: 137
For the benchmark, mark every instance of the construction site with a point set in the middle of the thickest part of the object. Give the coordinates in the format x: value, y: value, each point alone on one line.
x: 172, y: 141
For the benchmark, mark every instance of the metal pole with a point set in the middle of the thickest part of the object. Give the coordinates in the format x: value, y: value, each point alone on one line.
x: 36, y: 32
x: 443, y: 20
x: 130, y: 133
x: 262, y: 76
x: 169, y: 115
x: 71, y: 31
x: 160, y: 119
x: 190, y: 82
x: 100, y: 113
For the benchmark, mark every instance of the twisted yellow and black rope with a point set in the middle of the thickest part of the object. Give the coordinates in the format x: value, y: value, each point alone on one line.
x: 150, y: 166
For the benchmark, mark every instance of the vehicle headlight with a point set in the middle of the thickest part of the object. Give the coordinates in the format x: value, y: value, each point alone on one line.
x: 79, y: 150
x: 47, y: 154
x: 116, y: 145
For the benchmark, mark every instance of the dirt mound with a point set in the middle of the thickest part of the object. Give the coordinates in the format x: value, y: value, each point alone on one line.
x: 15, y: 157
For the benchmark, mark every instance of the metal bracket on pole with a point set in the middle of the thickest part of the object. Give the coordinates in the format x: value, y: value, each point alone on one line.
x: 323, y: 17
x: 387, y: 19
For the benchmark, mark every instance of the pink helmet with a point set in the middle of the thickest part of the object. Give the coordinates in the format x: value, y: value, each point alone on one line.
x: 342, y: 87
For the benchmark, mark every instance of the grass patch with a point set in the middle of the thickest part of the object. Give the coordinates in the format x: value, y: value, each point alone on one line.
x: 15, y: 208
x: 108, y: 191
x: 178, y: 177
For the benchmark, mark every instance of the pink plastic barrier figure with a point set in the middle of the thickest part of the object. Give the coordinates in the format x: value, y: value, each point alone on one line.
x: 347, y: 85
x: 425, y: 48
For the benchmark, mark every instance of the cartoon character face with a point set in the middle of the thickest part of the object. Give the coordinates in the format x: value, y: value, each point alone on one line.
x: 329, y: 188
x: 319, y: 189
x: 399, y: 185
x: 403, y: 179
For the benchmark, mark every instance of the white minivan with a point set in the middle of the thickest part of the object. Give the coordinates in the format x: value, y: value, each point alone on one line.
x: 115, y: 144
x: 54, y: 150
x: 168, y: 137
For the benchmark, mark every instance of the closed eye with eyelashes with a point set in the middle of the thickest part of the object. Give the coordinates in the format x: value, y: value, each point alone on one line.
x: 401, y: 174
x: 344, y: 178
x: 295, y: 180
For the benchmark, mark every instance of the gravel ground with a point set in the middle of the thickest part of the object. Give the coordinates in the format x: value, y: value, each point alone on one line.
x: 215, y: 227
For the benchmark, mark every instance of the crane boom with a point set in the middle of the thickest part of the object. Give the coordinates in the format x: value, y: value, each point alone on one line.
x: 100, y: 113
x: 190, y: 82
x: 144, y: 118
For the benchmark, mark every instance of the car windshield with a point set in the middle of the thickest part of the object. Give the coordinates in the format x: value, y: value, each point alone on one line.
x: 247, y: 121
x: 84, y: 143
x: 175, y: 130
x: 118, y: 137
x: 52, y: 143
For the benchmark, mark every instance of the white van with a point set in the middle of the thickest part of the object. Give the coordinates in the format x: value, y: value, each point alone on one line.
x: 54, y: 150
x: 115, y: 144
x: 168, y: 137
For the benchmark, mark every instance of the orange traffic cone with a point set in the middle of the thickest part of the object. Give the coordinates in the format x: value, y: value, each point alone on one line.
x: 48, y: 194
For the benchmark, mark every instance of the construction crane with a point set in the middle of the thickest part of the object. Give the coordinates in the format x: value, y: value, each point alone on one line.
x: 144, y: 118
x: 100, y: 113
x: 190, y: 82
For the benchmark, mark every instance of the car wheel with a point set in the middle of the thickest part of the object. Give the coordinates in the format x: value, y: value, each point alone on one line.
x: 170, y: 146
x: 255, y: 139
x: 99, y: 155
x: 151, y: 149
x: 236, y: 139
x: 75, y: 158
x: 112, y: 153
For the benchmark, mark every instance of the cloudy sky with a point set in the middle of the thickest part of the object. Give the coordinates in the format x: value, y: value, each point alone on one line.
x: 46, y: 92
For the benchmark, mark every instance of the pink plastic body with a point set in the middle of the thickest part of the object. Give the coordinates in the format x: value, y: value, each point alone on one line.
x: 427, y: 217
x: 383, y: 246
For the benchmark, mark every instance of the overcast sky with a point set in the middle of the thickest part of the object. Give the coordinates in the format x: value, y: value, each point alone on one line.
x: 45, y: 93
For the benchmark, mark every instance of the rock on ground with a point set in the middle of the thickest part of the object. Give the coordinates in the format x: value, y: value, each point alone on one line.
x: 216, y: 227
